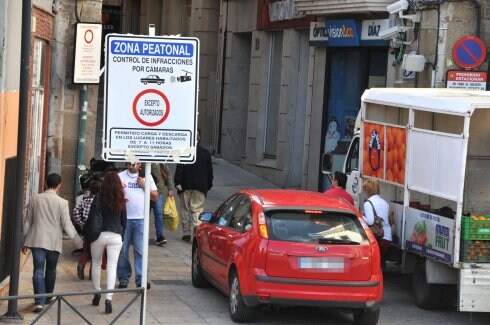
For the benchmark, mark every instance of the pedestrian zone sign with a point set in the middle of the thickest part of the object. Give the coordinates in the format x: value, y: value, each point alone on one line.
x: 150, y: 99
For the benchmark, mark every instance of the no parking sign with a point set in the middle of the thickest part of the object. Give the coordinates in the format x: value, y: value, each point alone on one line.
x: 469, y: 52
x: 150, y: 98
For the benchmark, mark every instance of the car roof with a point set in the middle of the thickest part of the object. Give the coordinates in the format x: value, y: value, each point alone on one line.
x: 283, y: 198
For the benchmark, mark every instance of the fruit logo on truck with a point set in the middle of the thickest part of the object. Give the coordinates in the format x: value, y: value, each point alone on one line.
x: 373, y: 161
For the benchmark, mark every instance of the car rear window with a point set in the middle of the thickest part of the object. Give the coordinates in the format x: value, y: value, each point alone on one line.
x: 315, y: 227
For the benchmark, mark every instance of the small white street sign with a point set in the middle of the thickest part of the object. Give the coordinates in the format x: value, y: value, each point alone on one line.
x: 150, y: 98
x: 88, y: 45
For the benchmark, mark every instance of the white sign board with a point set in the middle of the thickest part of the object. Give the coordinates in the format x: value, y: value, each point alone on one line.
x: 87, y: 53
x: 150, y: 98
x: 371, y: 28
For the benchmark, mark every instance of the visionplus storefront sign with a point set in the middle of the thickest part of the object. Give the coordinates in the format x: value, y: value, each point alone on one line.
x: 150, y: 98
x: 346, y: 33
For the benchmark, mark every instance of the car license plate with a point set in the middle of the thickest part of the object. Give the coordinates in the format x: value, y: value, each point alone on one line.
x: 327, y: 263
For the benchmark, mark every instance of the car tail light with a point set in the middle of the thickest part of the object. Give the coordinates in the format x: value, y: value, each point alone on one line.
x: 314, y: 211
x: 263, y: 226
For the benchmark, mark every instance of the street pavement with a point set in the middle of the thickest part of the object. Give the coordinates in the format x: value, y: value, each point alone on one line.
x: 173, y: 300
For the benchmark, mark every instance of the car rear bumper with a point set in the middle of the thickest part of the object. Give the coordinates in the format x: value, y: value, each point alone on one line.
x: 368, y: 305
x: 304, y: 292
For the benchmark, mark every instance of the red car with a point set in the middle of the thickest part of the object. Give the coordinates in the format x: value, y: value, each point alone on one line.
x: 287, y: 247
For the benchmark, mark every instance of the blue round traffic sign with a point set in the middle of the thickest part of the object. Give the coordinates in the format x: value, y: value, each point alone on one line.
x: 469, y: 52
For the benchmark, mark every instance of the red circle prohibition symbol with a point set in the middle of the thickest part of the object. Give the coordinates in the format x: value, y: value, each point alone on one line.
x: 135, y: 109
x: 88, y: 38
x: 469, y: 52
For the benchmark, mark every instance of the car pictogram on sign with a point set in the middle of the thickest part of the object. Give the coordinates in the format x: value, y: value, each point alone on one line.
x: 152, y: 79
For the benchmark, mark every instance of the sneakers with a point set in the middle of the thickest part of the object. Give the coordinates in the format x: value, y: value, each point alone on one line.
x: 122, y: 284
x: 161, y: 241
x: 148, y: 285
x: 80, y: 272
x: 50, y: 299
x: 186, y: 238
x: 38, y: 308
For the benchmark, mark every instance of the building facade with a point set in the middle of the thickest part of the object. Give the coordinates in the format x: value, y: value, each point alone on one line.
x: 294, y: 72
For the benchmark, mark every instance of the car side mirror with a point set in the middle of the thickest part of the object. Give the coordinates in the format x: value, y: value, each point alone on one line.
x: 206, y: 216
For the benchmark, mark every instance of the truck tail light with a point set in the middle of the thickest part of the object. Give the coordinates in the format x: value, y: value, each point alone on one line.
x: 262, y: 226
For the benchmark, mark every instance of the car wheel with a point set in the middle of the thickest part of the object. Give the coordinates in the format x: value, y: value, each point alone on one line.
x: 239, y: 312
x: 427, y: 296
x: 198, y: 278
x: 366, y: 317
x: 144, y: 82
x: 159, y: 83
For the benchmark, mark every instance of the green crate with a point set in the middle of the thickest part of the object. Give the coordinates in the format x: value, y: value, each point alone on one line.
x: 476, y: 229
x: 475, y: 251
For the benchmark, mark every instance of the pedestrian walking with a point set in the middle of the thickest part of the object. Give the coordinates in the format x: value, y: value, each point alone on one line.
x: 80, y: 215
x: 134, y: 194
x: 165, y: 184
x: 113, y: 209
x: 47, y: 216
x: 193, y: 182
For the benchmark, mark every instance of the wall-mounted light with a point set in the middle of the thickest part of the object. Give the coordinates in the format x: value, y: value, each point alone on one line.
x: 257, y: 43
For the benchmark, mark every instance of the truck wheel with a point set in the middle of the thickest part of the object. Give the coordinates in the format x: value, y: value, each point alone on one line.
x: 198, y: 279
x: 366, y: 317
x: 239, y: 312
x: 427, y: 296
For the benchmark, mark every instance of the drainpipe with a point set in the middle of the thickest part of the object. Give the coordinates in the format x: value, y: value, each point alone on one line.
x: 25, y: 53
x: 82, y: 127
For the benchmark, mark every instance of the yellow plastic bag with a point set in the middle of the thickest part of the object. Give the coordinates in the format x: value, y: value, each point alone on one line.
x: 170, y: 214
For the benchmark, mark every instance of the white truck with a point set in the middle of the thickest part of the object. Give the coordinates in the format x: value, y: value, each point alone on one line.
x: 430, y: 150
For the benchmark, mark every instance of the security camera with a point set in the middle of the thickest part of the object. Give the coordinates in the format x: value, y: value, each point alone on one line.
x: 397, y: 7
x: 391, y: 33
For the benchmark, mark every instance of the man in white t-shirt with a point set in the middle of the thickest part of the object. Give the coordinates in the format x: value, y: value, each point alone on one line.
x: 134, y: 192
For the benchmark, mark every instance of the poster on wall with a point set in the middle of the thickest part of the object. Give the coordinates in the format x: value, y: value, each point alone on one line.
x: 384, y: 153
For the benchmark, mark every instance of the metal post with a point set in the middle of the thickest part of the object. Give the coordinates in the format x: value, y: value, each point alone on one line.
x: 12, y: 316
x: 82, y: 127
x: 146, y: 227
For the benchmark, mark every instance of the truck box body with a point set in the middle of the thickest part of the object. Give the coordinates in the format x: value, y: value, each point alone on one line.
x: 430, y: 149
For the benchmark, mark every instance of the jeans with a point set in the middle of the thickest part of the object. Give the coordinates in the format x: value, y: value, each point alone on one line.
x: 43, y: 282
x: 112, y: 242
x: 134, y: 235
x: 158, y: 212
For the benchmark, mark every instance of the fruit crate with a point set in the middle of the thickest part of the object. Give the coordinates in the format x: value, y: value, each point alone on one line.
x: 475, y: 251
x: 476, y: 229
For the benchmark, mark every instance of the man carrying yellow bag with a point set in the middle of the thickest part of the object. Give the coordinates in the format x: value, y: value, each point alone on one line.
x: 170, y: 214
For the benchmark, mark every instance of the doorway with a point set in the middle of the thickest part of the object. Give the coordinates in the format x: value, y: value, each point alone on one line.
x: 349, y: 72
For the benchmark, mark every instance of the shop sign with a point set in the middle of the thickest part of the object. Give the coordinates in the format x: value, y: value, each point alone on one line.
x: 342, y: 32
x: 283, y: 10
x: 476, y: 80
x: 318, y: 32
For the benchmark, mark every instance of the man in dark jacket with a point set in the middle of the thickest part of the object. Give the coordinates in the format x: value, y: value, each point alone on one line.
x: 193, y: 182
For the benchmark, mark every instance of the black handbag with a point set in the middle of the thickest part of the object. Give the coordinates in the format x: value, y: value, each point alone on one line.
x: 93, y: 226
x: 377, y: 226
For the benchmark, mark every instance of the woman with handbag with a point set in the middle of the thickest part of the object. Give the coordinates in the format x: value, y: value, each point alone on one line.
x: 376, y: 207
x: 111, y: 206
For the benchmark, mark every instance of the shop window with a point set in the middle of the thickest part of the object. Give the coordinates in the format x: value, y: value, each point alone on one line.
x: 273, y: 95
